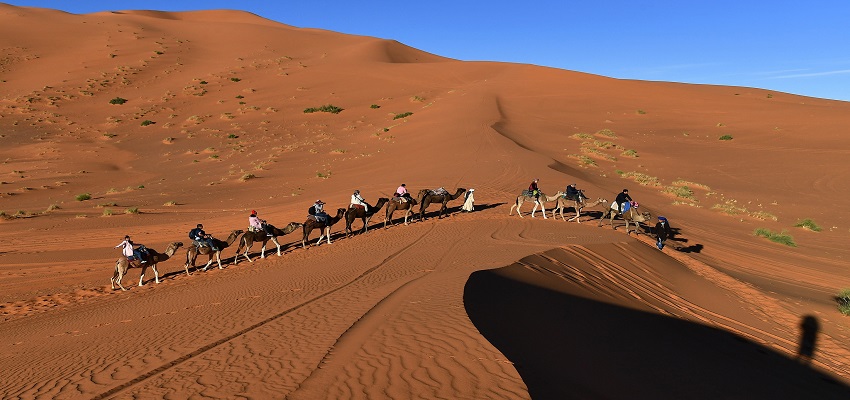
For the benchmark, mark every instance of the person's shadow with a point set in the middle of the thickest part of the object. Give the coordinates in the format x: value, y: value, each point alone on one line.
x: 809, y: 328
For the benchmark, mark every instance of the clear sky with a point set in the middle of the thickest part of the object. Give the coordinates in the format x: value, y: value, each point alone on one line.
x: 800, y: 47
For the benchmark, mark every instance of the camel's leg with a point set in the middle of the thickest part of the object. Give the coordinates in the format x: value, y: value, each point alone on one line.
x: 263, y: 249
x: 114, y: 275
x: 406, y: 213
x: 247, y: 250
x: 155, y: 273
x: 142, y: 275
x: 218, y: 258
x: 276, y: 243
x: 209, y: 262
x: 120, y: 277
x: 328, y: 234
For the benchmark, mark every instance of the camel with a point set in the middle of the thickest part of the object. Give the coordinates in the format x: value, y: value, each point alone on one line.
x: 544, y: 198
x: 630, y: 216
x: 578, y: 205
x: 193, y: 251
x: 325, y: 227
x: 249, y: 238
x: 356, y: 212
x: 395, y: 204
x: 153, y: 257
x: 426, y: 197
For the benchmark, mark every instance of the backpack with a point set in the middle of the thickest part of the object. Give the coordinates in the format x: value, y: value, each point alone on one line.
x: 311, y: 210
x: 193, y: 233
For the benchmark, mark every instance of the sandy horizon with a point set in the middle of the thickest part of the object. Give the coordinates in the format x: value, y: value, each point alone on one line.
x: 147, y: 123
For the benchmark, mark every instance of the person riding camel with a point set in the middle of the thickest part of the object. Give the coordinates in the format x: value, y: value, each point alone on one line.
x: 358, y: 201
x: 317, y: 211
x: 129, y: 250
x: 202, y: 238
x: 534, y: 190
x: 255, y: 224
x: 572, y: 193
x: 402, y: 193
x: 622, y: 198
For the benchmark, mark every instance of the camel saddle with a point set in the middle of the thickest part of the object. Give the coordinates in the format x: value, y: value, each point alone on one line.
x: 440, y: 191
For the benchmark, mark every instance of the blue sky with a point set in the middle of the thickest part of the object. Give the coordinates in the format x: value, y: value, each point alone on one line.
x: 788, y: 46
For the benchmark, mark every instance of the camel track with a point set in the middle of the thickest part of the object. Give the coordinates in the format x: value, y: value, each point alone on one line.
x: 253, y: 327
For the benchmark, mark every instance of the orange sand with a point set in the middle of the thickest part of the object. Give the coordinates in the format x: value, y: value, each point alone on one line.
x: 477, y: 305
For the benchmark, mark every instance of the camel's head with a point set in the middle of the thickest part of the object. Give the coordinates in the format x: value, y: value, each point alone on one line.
x: 643, y: 217
x: 176, y: 245
x: 560, y: 194
x: 295, y: 225
x: 238, y: 232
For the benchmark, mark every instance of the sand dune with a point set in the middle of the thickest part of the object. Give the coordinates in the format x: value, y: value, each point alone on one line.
x: 147, y: 123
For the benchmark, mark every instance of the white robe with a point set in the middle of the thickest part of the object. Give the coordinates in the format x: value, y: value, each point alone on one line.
x: 467, y: 205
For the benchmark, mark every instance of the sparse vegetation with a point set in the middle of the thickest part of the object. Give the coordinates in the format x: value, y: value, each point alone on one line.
x: 607, y: 133
x: 323, y: 175
x: 325, y: 108
x: 682, y: 192
x: 403, y: 115
x: 106, y: 212
x: 586, y: 161
x: 52, y: 207
x: 581, y: 136
x: 726, y: 137
x: 418, y: 99
x: 374, y: 106
x: 147, y: 122
x: 808, y: 224
x: 629, y: 153
x: 843, y: 300
x: 232, y: 136
x: 132, y: 210
x: 641, y: 112
x: 118, y: 100
x: 235, y: 79
x: 641, y: 178
x: 170, y: 203
x: 247, y: 177
x: 681, y: 182
x: 83, y: 197
x: 781, y: 237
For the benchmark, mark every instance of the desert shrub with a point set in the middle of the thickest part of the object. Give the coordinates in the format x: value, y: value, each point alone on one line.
x: 147, y: 122
x: 170, y: 203
x: 235, y: 79
x: 607, y: 133
x: 83, y: 197
x: 325, y: 108
x: 725, y: 137
x: 232, y: 136
x: 117, y: 100
x: 763, y: 215
x: 323, y: 175
x: 641, y: 112
x: 374, y: 106
x: 247, y: 177
x: 417, y: 99
x: 240, y: 96
x: 581, y: 136
x: 776, y: 237
x: 641, y: 178
x: 683, y: 192
x: 107, y: 212
x: 203, y: 82
x: 403, y: 115
x: 132, y: 210
x: 843, y: 300
x: 809, y: 224
x: 52, y: 207
x: 586, y: 161
x: 682, y: 182
x: 629, y: 153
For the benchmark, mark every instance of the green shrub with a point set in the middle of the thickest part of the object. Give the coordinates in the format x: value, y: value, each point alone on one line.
x: 232, y: 136
x: 808, y: 224
x: 781, y: 237
x: 147, y: 122
x: 83, y: 197
x: 629, y: 153
x: 325, y: 108
x: 374, y: 106
x: 132, y: 210
x: 641, y: 112
x: 235, y: 79
x: 843, y: 300
x: 403, y: 115
x: 726, y: 137
x: 247, y: 177
x: 607, y: 132
x: 117, y: 100
x: 107, y: 212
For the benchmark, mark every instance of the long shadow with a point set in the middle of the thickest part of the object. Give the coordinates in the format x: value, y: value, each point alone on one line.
x: 569, y: 347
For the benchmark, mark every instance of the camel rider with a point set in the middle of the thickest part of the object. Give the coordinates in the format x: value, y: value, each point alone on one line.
x: 623, y: 197
x: 402, y: 193
x: 357, y: 201
x: 255, y: 224
x: 317, y: 210
x: 202, y: 238
x: 128, y: 250
x: 534, y: 190
x: 572, y: 193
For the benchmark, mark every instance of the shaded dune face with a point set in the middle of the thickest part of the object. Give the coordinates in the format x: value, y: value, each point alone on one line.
x: 570, y: 340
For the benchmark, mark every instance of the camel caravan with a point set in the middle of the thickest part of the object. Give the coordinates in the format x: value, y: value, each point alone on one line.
x: 260, y: 231
x: 203, y: 244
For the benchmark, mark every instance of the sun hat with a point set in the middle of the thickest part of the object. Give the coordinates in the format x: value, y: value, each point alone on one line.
x: 253, y: 211
x: 471, y: 190
x: 661, y: 218
x: 320, y: 202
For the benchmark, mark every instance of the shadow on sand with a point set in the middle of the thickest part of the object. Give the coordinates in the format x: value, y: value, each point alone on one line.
x: 569, y: 347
